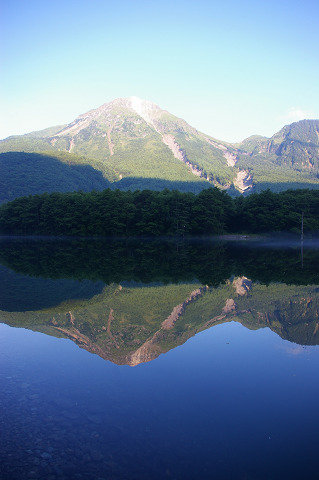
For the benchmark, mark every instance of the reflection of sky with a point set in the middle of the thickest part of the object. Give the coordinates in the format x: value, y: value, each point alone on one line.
x: 229, y: 400
x: 296, y: 350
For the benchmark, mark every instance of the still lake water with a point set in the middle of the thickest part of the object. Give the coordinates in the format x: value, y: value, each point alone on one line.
x: 132, y: 360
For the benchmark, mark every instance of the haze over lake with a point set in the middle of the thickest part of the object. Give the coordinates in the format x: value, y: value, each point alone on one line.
x: 158, y: 360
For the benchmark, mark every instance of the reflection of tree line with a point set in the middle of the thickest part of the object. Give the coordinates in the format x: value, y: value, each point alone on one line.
x: 210, y: 263
x: 151, y: 303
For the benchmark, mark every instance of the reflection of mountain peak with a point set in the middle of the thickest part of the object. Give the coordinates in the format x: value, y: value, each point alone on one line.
x: 150, y: 349
x: 134, y: 325
x: 155, y: 310
x: 147, y: 352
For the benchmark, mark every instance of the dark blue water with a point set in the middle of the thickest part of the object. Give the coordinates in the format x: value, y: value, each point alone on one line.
x: 230, y: 403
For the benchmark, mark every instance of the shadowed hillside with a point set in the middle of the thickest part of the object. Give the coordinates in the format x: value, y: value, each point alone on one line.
x: 29, y: 173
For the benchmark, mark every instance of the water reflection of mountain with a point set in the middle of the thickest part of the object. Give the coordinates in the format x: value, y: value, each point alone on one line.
x: 132, y: 325
x: 129, y: 323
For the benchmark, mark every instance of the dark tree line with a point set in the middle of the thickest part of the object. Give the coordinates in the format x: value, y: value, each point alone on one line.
x: 278, y: 212
x: 153, y: 213
x: 118, y: 213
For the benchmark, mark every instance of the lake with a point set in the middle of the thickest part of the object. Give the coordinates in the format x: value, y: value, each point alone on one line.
x: 159, y: 359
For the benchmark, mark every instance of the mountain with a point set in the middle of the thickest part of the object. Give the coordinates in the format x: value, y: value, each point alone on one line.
x: 137, y: 145
x: 289, y: 159
x: 130, y: 301
x: 297, y: 145
x: 131, y: 324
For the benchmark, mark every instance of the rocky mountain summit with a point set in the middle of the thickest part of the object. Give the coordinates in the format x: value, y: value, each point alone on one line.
x: 120, y: 127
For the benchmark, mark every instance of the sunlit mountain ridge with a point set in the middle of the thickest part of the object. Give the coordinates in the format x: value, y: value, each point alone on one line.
x: 131, y: 143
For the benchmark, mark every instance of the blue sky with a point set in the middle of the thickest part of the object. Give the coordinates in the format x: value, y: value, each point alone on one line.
x: 229, y: 68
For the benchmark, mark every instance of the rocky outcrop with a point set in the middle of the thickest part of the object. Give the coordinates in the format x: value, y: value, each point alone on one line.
x: 75, y: 127
x: 109, y: 141
x: 231, y: 157
x: 219, y: 146
x: 178, y: 153
x: 71, y: 145
x: 243, y: 181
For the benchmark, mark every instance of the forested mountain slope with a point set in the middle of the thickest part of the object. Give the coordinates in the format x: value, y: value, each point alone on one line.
x: 137, y: 145
x: 26, y: 173
x: 289, y: 159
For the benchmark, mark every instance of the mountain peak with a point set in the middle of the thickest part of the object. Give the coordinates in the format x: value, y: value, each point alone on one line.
x: 144, y: 108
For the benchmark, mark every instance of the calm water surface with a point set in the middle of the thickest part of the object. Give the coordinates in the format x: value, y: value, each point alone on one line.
x: 95, y: 384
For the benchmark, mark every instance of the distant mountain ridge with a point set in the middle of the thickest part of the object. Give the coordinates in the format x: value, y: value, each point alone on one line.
x: 137, y: 145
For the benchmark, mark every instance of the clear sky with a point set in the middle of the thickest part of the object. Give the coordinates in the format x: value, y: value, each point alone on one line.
x: 229, y: 68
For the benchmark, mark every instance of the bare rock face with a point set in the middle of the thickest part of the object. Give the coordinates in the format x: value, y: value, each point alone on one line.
x: 178, y: 153
x: 231, y: 158
x: 243, y: 181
